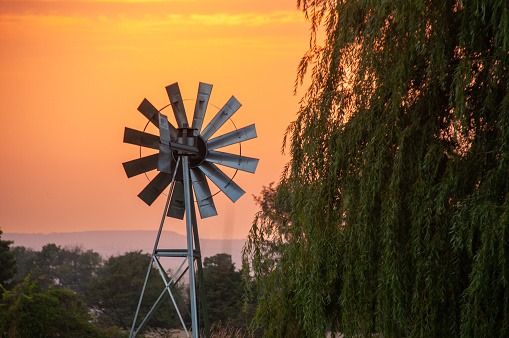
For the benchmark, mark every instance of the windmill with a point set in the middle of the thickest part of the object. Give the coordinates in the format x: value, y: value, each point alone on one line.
x: 186, y: 157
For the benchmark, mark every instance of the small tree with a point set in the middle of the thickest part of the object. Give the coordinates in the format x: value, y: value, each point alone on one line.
x: 77, y: 268
x: 7, y: 262
x: 68, y: 267
x: 31, y: 310
x: 25, y: 262
x: 114, y: 293
x: 223, y: 289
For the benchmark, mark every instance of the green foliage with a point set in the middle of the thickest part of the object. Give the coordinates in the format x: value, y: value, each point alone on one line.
x: 7, y: 261
x: 398, y: 181
x: 25, y: 262
x: 223, y: 289
x: 112, y: 289
x: 30, y: 310
x: 78, y: 268
x: 115, y: 291
x: 70, y: 267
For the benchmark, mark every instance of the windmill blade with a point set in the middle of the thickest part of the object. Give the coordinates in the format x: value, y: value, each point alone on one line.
x: 243, y: 163
x: 140, y: 138
x: 236, y: 136
x: 203, y: 195
x: 167, y: 127
x: 221, y: 117
x: 223, y: 182
x: 155, y: 188
x: 165, y: 159
x: 204, y: 90
x: 177, y: 104
x: 150, y: 112
x: 177, y: 207
x: 140, y: 165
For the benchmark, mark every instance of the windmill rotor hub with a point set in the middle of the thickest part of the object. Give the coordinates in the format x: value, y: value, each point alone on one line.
x: 187, y: 136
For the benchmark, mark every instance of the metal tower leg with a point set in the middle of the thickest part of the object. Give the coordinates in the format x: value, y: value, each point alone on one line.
x: 192, y: 253
x: 190, y: 246
x: 153, y: 259
x: 133, y: 333
x: 201, y: 284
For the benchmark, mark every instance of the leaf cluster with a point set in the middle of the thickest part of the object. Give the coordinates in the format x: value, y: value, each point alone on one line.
x: 223, y: 291
x: 7, y: 261
x: 115, y: 291
x: 33, y: 310
x: 105, y: 292
x: 68, y: 267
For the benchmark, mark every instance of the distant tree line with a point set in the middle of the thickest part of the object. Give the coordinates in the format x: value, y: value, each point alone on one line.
x: 72, y: 292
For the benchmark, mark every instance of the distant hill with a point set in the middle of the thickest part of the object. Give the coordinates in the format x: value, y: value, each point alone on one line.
x: 112, y: 243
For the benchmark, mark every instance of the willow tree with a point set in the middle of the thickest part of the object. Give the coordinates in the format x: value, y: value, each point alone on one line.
x: 399, y: 176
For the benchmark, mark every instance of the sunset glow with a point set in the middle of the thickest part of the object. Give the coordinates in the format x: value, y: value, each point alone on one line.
x: 74, y: 72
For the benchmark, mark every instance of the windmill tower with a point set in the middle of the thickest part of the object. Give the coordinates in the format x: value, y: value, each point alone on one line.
x: 186, y: 157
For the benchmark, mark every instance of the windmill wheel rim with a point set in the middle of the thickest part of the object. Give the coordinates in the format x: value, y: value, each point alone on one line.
x: 234, y: 126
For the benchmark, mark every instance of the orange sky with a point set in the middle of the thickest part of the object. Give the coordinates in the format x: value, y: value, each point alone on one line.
x: 74, y: 72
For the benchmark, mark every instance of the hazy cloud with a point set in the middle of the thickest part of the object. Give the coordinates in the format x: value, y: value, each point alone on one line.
x: 254, y: 19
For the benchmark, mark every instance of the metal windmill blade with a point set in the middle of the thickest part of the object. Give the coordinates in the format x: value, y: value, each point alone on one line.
x: 194, y: 143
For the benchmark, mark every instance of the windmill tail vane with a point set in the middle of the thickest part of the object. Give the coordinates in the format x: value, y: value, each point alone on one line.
x: 197, y: 144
